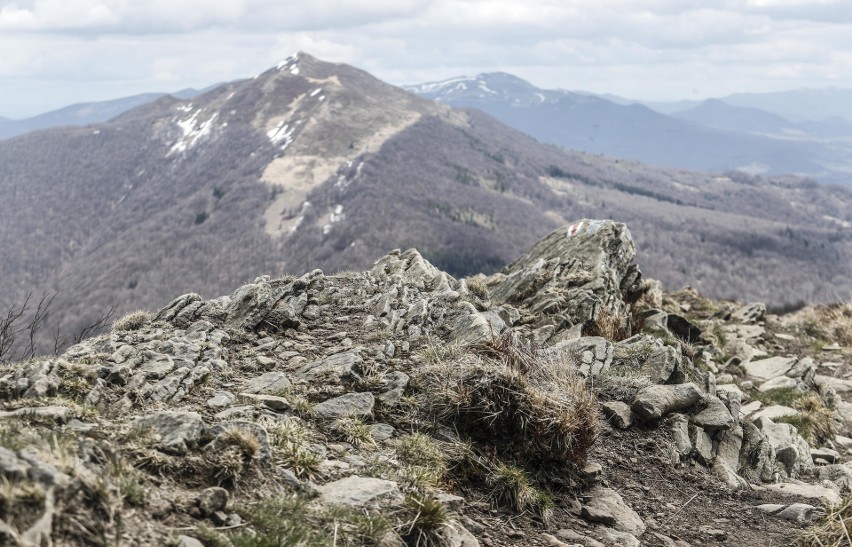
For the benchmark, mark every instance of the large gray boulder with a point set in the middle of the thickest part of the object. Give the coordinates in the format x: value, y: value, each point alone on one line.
x: 575, y: 274
x: 174, y: 431
x: 654, y: 402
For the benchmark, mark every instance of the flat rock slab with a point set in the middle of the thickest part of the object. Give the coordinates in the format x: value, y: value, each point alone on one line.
x: 607, y: 507
x: 339, y: 364
x: 654, y: 402
x: 220, y: 399
x: 773, y: 412
x: 767, y: 369
x: 800, y: 513
x: 359, y: 405
x: 358, y: 492
x: 807, y: 491
x: 779, y: 382
x: 715, y: 417
x: 175, y: 431
x: 268, y: 384
x: 278, y: 404
x: 56, y: 413
x: 839, y: 385
x: 618, y: 413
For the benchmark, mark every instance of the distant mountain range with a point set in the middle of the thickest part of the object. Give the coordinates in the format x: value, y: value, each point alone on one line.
x: 710, y: 136
x: 804, y: 132
x: 795, y: 105
x: 82, y: 114
x: 320, y: 165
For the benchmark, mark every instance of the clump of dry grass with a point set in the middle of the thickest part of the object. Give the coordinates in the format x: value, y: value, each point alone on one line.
x: 609, y: 325
x: 830, y: 323
x: 234, y: 451
x: 355, y: 432
x: 132, y: 321
x: 512, y: 487
x: 504, y: 394
x: 509, y: 349
x: 478, y: 287
x: 833, y: 530
x: 815, y: 421
x: 429, y: 518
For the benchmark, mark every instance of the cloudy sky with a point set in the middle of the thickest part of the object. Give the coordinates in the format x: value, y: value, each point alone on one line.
x: 56, y: 52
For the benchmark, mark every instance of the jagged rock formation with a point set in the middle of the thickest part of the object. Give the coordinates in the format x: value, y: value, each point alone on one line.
x: 382, y: 407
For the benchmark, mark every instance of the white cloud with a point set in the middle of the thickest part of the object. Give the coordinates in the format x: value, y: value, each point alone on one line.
x: 62, y: 51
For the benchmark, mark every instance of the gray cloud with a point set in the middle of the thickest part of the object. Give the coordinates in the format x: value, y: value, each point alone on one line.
x: 60, y: 51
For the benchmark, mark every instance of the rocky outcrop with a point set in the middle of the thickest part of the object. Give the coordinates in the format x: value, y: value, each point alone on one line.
x: 372, y: 391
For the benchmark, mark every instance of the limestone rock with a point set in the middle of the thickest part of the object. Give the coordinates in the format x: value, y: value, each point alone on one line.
x: 800, y: 513
x: 715, y: 417
x: 779, y: 382
x: 212, y: 499
x: 680, y: 434
x: 750, y: 313
x: 606, y: 506
x: 272, y: 402
x: 11, y: 467
x: 654, y: 402
x: 702, y: 446
x: 360, y: 492
x: 456, y: 535
x: 813, y: 492
x: 767, y: 369
x: 589, y: 264
x: 774, y: 411
x: 268, y: 384
x: 358, y: 405
x: 618, y: 413
x: 339, y: 365
x: 591, y: 354
x: 175, y: 431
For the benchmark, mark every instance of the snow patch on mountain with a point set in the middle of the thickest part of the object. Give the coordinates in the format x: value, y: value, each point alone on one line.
x: 193, y: 129
x: 282, y: 135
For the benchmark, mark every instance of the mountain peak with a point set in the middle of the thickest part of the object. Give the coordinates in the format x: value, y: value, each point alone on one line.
x: 500, y: 86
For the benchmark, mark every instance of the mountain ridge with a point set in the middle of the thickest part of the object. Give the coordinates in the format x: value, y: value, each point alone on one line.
x: 634, y: 131
x: 314, y: 164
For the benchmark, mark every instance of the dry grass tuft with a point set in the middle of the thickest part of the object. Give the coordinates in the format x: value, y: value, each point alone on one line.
x: 423, y: 461
x: 132, y: 321
x: 355, y: 432
x: 609, y: 325
x: 430, y: 517
x: 815, y: 422
x: 504, y: 395
x: 833, y: 530
x: 829, y: 323
x: 301, y: 460
x: 478, y: 287
x: 512, y: 487
x: 509, y: 349
x: 235, y: 450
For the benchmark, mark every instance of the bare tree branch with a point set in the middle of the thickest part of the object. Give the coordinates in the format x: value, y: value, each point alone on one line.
x: 8, y: 330
x: 99, y: 324
x: 35, y: 324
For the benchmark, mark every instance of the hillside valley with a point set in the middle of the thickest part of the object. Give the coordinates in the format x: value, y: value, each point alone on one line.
x: 318, y: 165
